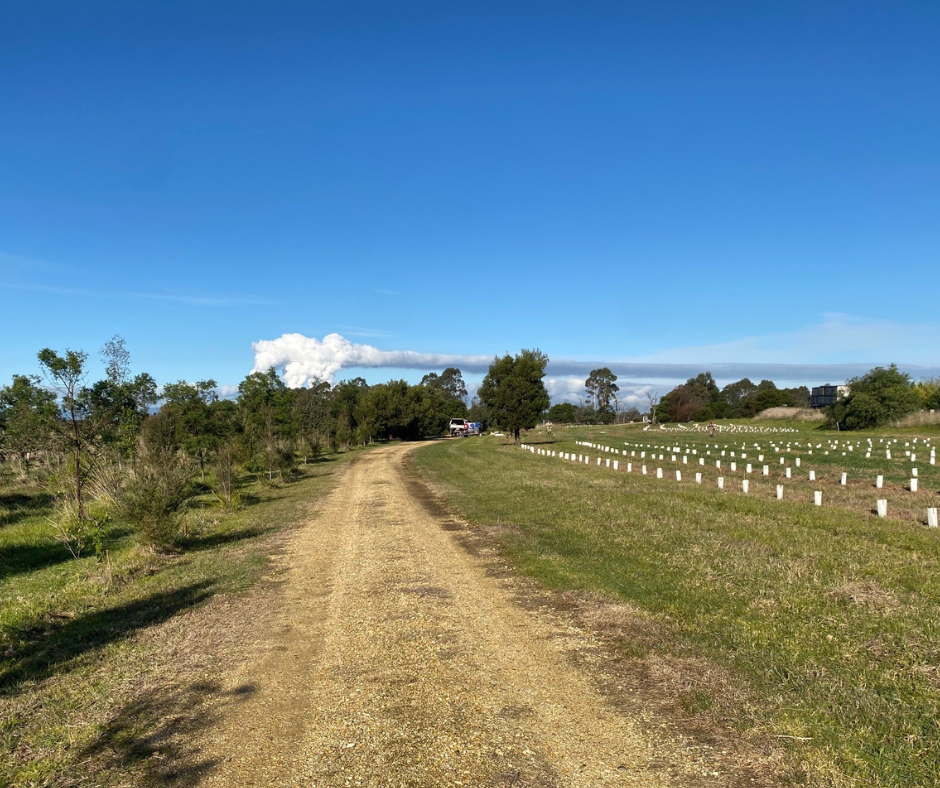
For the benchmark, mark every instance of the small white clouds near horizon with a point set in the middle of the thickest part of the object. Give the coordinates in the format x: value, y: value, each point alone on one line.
x: 839, y: 338
x: 570, y: 388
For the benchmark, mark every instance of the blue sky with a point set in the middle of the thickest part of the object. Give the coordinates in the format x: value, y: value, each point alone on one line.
x: 686, y: 183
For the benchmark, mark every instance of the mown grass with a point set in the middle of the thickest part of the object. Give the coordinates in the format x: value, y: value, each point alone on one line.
x: 826, y: 619
x: 68, y: 647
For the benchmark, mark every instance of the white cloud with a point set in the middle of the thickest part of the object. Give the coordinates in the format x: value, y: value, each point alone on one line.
x: 302, y: 359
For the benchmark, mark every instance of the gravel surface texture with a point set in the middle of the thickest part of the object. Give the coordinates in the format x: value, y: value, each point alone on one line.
x: 399, y: 660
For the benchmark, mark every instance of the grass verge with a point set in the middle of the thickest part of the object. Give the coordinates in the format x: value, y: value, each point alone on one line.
x: 77, y: 647
x: 824, y: 621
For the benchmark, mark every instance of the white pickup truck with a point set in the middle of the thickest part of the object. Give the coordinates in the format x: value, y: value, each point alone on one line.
x: 459, y: 427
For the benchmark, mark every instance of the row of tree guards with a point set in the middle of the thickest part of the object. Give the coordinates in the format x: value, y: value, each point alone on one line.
x: 881, y: 504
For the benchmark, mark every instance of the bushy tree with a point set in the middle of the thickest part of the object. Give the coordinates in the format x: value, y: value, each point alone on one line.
x: 514, y: 392
x: 479, y: 413
x: 929, y: 392
x: 602, y: 391
x: 158, y: 486
x: 698, y: 399
x: 346, y: 396
x: 448, y: 395
x: 877, y: 397
x: 266, y: 403
x: 119, y: 403
x: 562, y: 413
x: 27, y: 415
x: 190, y: 405
x: 313, y: 415
x: 738, y: 395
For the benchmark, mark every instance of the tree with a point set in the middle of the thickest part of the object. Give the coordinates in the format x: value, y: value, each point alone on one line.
x: 513, y: 391
x: 119, y: 403
x: 697, y: 399
x: 190, y: 407
x: 626, y: 415
x: 346, y: 395
x: 479, y: 413
x: 75, y: 427
x: 27, y: 415
x: 602, y: 390
x: 265, y: 403
x: 929, y: 392
x: 652, y: 399
x: 447, y: 396
x: 737, y: 395
x: 159, y: 485
x: 313, y: 416
x: 562, y: 413
x: 877, y: 397
x: 450, y: 382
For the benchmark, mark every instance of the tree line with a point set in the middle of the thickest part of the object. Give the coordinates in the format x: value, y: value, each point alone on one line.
x: 700, y: 399
x: 880, y: 396
x: 120, y: 448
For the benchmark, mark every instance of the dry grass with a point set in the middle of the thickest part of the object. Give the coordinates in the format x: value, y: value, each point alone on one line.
x: 922, y: 418
x: 792, y: 414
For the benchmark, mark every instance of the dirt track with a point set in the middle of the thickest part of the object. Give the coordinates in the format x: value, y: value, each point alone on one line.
x: 399, y: 661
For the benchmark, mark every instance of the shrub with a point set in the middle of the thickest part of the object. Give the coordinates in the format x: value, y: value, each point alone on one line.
x: 152, y: 499
x: 878, y: 397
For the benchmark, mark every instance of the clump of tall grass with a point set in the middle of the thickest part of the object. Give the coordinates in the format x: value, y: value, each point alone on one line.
x: 77, y: 530
x: 920, y: 418
x: 792, y: 414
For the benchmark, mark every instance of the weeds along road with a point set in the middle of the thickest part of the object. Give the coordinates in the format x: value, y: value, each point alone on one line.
x: 399, y: 661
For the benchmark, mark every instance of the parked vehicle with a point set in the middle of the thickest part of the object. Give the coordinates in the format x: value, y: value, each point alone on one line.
x: 459, y: 427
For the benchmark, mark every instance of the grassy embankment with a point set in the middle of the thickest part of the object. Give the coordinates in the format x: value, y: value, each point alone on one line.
x: 826, y: 619
x: 71, y: 645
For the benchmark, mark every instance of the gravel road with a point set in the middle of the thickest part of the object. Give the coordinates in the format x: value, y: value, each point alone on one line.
x: 398, y: 660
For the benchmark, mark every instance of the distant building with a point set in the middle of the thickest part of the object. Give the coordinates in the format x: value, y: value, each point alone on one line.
x: 826, y: 395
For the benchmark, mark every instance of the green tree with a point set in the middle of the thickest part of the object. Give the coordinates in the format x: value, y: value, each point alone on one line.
x: 27, y: 415
x: 346, y: 395
x: 698, y: 399
x: 562, y: 413
x: 189, y: 405
x: 159, y: 485
x: 266, y: 403
x: 513, y: 391
x: 450, y: 382
x: 447, y: 396
x: 877, y: 397
x: 929, y: 392
x: 75, y: 427
x: 602, y: 391
x: 313, y: 416
x: 119, y: 404
x: 737, y: 395
x: 479, y: 413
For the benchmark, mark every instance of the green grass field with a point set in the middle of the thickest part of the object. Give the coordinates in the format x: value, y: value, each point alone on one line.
x: 69, y: 655
x: 824, y: 618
